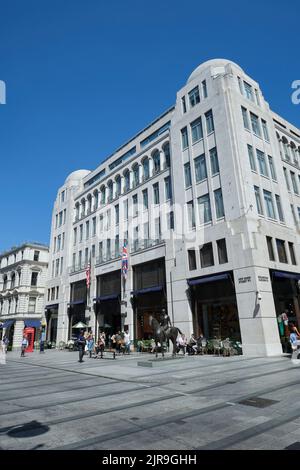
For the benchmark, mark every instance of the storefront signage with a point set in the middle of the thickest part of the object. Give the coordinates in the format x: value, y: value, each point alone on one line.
x: 243, y: 280
x: 263, y: 278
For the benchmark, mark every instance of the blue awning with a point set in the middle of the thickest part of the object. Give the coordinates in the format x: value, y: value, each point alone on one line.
x: 76, y: 302
x: 106, y: 297
x: 32, y: 323
x: 205, y: 279
x: 146, y: 290
x: 7, y: 323
x: 287, y: 275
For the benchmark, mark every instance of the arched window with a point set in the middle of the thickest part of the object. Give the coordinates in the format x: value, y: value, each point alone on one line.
x: 82, y: 207
x: 166, y: 150
x: 127, y: 180
x: 103, y: 191
x: 77, y: 211
x: 136, y: 175
x: 110, y: 190
x: 286, y: 148
x: 118, y: 185
x: 156, y: 161
x: 294, y: 154
x: 146, y: 173
x: 89, y: 203
x: 5, y: 282
x: 96, y: 199
x: 13, y: 280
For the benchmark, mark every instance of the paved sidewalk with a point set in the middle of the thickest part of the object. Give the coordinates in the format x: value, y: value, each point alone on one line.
x: 50, y: 401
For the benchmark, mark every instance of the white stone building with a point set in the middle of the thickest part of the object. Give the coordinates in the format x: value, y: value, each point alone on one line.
x: 23, y: 275
x: 208, y: 198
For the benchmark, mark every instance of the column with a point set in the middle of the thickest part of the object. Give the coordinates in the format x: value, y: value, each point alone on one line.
x: 162, y: 160
x: 151, y: 166
x: 256, y: 309
x: 18, y: 334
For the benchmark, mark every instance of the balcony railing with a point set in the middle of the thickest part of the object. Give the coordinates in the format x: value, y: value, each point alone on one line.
x: 139, y: 245
x: 77, y: 267
x: 106, y: 257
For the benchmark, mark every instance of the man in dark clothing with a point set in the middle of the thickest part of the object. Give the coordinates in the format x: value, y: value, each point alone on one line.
x: 165, y: 321
x: 81, y: 345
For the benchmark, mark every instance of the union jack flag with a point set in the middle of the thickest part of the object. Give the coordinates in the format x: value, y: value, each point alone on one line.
x: 88, y: 274
x: 124, y: 268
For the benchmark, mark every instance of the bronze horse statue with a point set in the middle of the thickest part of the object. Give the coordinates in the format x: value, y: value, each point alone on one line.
x: 160, y: 335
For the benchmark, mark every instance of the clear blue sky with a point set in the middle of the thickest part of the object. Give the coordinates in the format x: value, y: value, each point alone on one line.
x: 83, y: 76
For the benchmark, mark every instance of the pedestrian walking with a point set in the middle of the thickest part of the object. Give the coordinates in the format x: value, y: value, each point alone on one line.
x: 127, y: 342
x: 24, y: 345
x: 90, y: 344
x: 81, y: 345
x: 5, y: 343
x: 42, y: 341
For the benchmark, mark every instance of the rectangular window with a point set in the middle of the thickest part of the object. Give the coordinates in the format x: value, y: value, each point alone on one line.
x: 101, y: 228
x: 156, y: 193
x: 73, y: 260
x: 80, y: 259
x: 294, y: 182
x: 60, y: 218
x: 117, y: 246
x: 117, y: 214
x: 58, y: 242
x: 248, y: 91
x: 61, y: 265
x: 269, y: 204
x: 65, y: 214
x: 200, y: 168
x: 125, y: 207
x: 210, y: 127
x: 281, y: 251
x: 222, y: 251
x: 57, y: 267
x: 286, y: 179
x: 170, y: 220
x: 32, y: 304
x: 258, y: 200
x: 157, y: 229
x: 108, y: 248
x: 298, y: 208
x: 87, y: 230
x: 272, y: 168
x: 36, y: 255
x: 134, y: 205
x: 219, y: 203
x: 240, y: 86
x: 293, y: 213
x: 81, y: 233
x: 93, y: 251
x: 204, y: 209
x: 214, y: 162
x: 194, y: 96
x: 62, y: 196
x: 262, y: 163
x: 184, y: 138
x: 270, y: 249
x: 145, y: 199
x: 168, y: 188
x: 265, y: 130
x: 183, y: 104
x: 257, y: 97
x: 146, y: 233
x: 279, y: 208
x: 34, y: 278
x: 196, y: 130
x: 94, y: 226
x: 192, y: 260
x: 100, y: 252
x: 251, y: 157
x: 108, y: 215
x: 191, y: 214
x: 292, y: 253
x: 255, y: 124
x: 204, y: 89
x: 63, y: 241
x: 245, y: 118
x: 206, y: 255
x: 187, y: 175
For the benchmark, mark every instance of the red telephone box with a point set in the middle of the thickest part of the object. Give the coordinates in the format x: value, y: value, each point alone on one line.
x: 29, y: 332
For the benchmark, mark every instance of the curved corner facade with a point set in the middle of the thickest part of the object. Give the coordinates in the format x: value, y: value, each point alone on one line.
x: 207, y: 201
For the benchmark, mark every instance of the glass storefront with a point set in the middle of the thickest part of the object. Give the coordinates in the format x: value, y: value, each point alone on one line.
x: 214, y: 306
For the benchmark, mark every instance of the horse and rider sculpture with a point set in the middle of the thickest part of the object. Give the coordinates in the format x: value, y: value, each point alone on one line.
x: 164, y: 331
